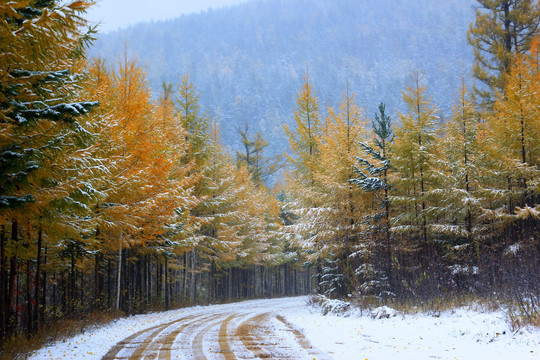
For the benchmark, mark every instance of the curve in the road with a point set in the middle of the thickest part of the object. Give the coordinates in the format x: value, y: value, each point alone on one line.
x: 113, y: 353
x: 169, y: 340
x: 234, y: 334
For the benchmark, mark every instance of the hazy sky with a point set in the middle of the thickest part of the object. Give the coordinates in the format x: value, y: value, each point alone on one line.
x: 115, y: 14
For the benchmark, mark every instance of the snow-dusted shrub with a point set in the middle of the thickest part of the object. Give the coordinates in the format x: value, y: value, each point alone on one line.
x: 331, y: 306
x: 383, y: 312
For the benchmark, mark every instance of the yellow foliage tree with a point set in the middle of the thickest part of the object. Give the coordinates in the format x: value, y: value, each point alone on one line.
x: 304, y: 141
x: 414, y: 156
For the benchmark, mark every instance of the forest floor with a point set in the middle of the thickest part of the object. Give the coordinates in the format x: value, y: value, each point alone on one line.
x: 289, y: 328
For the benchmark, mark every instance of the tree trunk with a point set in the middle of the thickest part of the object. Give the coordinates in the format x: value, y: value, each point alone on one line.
x: 54, y: 294
x: 96, y: 280
x: 119, y: 274
x: 309, y: 279
x: 166, y: 285
x: 147, y: 279
x: 3, y: 283
x: 184, y: 287
x: 13, y: 264
x: 29, y: 307
x: 286, y: 280
x: 38, y: 279
x: 159, y: 282
x: 212, y: 280
x: 138, y: 284
x: 43, y: 289
x: 72, y: 283
x: 109, y: 284
x: 193, y: 278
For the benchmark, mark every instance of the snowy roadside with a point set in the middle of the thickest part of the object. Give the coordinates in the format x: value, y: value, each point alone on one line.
x: 461, y: 334
x: 95, y: 342
x: 385, y: 334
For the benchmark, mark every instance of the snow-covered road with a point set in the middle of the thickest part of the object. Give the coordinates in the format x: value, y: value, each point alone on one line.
x: 289, y: 329
x: 238, y: 331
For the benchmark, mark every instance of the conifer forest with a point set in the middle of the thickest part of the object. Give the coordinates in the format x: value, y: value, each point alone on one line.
x: 118, y: 195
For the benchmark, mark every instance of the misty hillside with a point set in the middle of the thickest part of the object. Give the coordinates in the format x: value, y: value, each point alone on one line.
x: 248, y: 60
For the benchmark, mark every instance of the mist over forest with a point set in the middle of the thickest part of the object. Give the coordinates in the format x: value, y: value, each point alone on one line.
x: 247, y: 61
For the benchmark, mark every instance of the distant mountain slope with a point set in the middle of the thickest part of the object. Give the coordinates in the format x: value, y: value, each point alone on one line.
x: 248, y: 60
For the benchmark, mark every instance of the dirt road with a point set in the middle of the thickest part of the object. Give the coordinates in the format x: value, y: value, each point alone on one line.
x: 243, y: 331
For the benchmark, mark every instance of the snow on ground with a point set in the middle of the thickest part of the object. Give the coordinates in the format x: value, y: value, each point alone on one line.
x: 460, y: 334
x: 95, y: 343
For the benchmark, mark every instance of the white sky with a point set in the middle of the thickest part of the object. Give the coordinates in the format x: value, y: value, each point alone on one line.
x: 115, y: 14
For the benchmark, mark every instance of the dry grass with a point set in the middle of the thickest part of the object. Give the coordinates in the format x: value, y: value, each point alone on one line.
x: 520, y: 313
x: 517, y: 321
x: 445, y: 303
x: 524, y: 313
x: 432, y: 305
x: 19, y: 347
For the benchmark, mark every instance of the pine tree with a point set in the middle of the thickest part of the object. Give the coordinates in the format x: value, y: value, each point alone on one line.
x: 414, y: 154
x: 304, y: 142
x: 502, y: 30
x: 331, y: 228
x: 373, y: 173
x: 304, y: 155
x: 305, y: 145
x: 196, y: 125
x: 36, y: 88
x: 42, y: 43
x: 514, y: 132
x: 518, y: 114
x: 239, y: 217
x: 177, y: 178
x: 372, y: 176
x: 148, y: 190
x: 203, y: 157
x: 460, y: 197
x: 218, y: 237
x: 259, y: 165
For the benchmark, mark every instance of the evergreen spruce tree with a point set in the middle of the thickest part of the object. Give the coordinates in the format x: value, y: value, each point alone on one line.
x: 372, y: 176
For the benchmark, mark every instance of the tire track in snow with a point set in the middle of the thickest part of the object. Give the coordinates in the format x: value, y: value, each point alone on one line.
x: 197, y: 344
x: 223, y: 338
x: 168, y: 342
x: 153, y: 337
x: 154, y: 330
x: 303, y: 341
x: 245, y: 332
x: 139, y: 351
x: 236, y: 333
